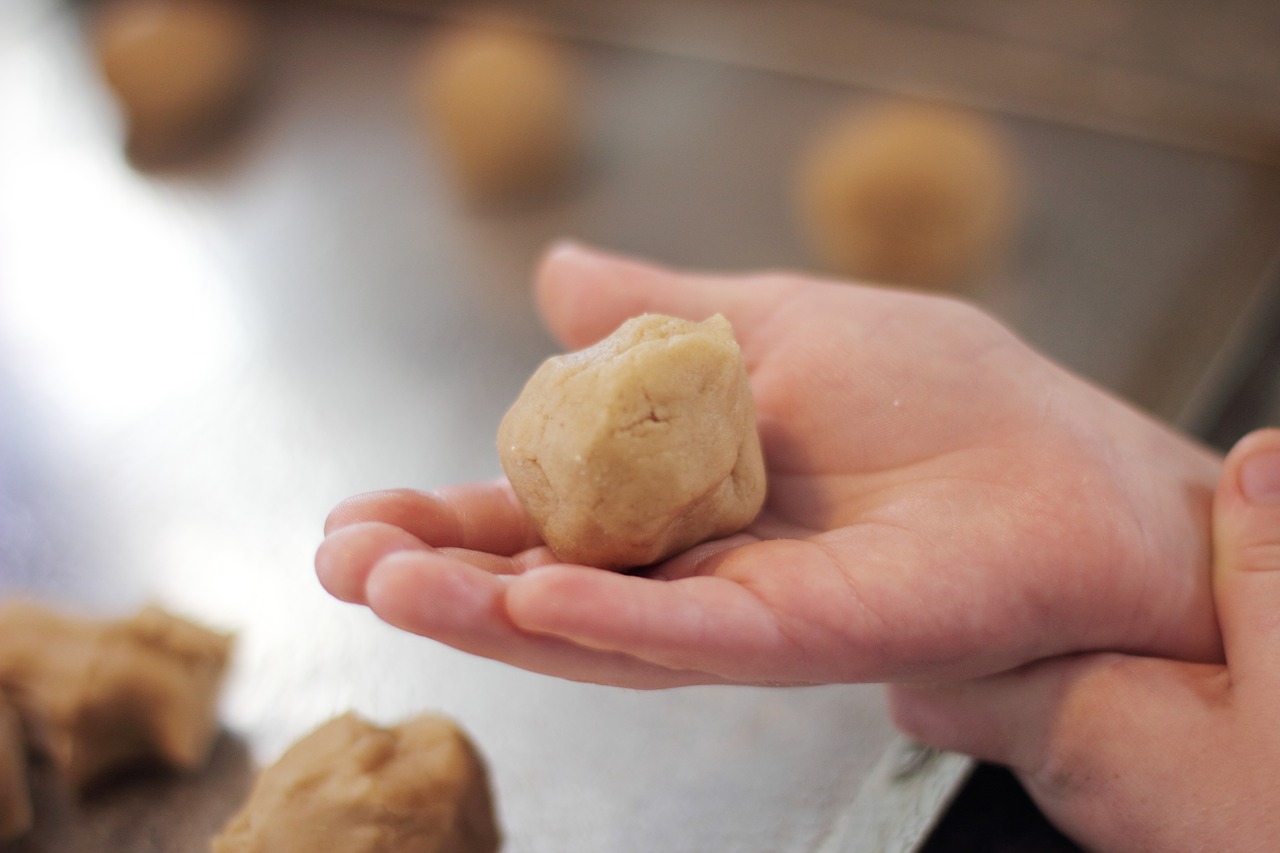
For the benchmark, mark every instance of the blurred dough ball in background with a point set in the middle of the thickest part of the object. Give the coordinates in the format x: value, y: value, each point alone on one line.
x: 907, y: 194
x: 182, y: 71
x: 502, y: 106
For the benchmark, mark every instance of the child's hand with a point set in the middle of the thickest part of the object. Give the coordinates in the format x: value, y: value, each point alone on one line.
x: 944, y: 503
x: 1136, y: 753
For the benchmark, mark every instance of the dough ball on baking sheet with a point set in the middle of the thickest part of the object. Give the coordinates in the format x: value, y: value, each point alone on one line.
x: 907, y: 194
x: 501, y: 105
x: 180, y: 70
x: 354, y: 787
x: 100, y: 696
x: 638, y: 447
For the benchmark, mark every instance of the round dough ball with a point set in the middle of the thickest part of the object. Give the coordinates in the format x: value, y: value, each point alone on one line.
x: 502, y: 107
x: 353, y: 787
x: 638, y: 447
x: 907, y: 194
x: 179, y: 69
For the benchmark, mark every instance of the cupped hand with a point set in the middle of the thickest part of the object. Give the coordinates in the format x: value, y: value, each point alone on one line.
x: 943, y: 503
x: 1132, y: 753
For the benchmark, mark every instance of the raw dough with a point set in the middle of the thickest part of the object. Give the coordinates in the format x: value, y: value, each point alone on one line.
x: 353, y: 787
x: 638, y: 447
x: 180, y: 69
x: 15, y: 798
x: 100, y: 696
x: 502, y: 106
x: 907, y: 194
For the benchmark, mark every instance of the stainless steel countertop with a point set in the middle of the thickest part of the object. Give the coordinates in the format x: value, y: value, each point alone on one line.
x: 196, y: 364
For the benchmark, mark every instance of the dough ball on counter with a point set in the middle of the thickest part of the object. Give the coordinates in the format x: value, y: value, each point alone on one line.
x: 353, y: 787
x: 15, y: 798
x: 100, y: 696
x: 907, y: 194
x: 181, y: 70
x: 638, y: 447
x: 502, y: 108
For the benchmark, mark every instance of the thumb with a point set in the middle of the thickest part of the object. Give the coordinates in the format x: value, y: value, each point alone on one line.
x: 1246, y: 537
x: 584, y: 294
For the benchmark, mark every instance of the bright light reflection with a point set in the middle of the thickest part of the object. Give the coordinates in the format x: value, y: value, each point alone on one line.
x: 110, y: 298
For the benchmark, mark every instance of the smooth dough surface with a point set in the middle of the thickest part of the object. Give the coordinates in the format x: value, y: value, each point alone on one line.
x: 907, y: 194
x: 353, y: 787
x: 98, y: 696
x: 638, y: 447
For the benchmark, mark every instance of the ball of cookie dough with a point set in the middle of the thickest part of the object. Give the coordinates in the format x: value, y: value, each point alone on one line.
x: 638, y: 447
x: 907, y: 194
x: 180, y: 70
x: 100, y: 696
x: 353, y: 787
x: 501, y: 106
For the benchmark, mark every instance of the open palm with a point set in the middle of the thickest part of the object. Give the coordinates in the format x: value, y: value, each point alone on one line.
x: 943, y: 503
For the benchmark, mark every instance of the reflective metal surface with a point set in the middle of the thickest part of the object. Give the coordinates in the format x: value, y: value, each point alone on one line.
x: 195, y: 365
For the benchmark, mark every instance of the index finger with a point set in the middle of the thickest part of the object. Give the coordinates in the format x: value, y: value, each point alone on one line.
x: 475, y: 516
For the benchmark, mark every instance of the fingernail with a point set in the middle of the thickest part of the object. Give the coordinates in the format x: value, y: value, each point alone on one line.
x: 1260, y: 477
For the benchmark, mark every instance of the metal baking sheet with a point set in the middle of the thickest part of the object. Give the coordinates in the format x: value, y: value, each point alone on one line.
x: 196, y: 364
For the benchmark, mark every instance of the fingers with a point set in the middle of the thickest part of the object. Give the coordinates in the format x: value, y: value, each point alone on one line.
x: 346, y: 556
x: 475, y: 516
x: 435, y: 596
x: 717, y: 616
x: 458, y: 597
x: 584, y: 295
x: 697, y: 623
x: 1246, y: 529
x: 573, y: 621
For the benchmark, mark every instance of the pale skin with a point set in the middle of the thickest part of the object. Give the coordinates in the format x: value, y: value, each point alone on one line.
x: 946, y: 506
x: 943, y: 503
x: 1140, y: 753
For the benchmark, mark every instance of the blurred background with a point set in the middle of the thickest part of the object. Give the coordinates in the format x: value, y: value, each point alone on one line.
x: 256, y: 258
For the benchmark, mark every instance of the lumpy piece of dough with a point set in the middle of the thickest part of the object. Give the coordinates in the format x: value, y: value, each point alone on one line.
x: 15, y: 798
x: 181, y: 70
x: 100, y: 696
x: 907, y: 194
x: 501, y: 105
x: 353, y: 787
x: 638, y: 447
